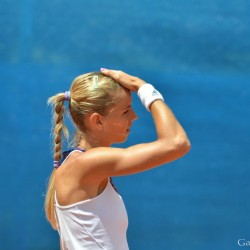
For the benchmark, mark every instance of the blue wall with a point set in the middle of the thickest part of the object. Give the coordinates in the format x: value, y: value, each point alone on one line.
x: 196, y: 52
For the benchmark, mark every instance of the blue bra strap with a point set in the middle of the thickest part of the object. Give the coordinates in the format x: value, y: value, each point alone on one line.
x: 66, y: 153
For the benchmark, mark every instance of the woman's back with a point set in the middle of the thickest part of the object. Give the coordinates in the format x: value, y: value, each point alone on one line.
x: 97, y: 223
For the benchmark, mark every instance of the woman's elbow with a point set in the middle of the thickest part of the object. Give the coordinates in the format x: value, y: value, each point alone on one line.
x: 182, y: 145
x: 174, y: 148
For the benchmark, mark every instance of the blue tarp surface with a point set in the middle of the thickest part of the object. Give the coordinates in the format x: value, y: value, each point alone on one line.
x: 197, y: 53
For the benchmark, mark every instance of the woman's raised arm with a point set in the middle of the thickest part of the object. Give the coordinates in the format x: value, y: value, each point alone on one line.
x: 171, y: 143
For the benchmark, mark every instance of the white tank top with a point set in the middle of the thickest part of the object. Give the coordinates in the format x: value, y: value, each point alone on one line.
x: 93, y: 224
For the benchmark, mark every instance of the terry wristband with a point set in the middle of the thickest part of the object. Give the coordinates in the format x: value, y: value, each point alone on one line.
x: 148, y: 94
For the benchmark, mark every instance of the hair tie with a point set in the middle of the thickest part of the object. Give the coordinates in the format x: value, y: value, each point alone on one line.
x: 56, y: 164
x: 67, y: 96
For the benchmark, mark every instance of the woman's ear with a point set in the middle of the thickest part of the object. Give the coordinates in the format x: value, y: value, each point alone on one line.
x: 95, y: 120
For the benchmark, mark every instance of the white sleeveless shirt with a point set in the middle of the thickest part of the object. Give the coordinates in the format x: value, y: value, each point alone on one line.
x: 93, y: 224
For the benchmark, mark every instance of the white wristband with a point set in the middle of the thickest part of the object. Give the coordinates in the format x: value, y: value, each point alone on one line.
x: 148, y: 94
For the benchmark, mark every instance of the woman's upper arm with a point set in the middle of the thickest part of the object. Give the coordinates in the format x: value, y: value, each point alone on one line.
x: 105, y: 162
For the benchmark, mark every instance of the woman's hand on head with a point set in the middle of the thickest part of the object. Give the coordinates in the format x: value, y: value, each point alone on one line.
x: 132, y: 83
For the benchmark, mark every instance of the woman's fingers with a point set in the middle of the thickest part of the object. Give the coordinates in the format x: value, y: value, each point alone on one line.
x: 130, y: 82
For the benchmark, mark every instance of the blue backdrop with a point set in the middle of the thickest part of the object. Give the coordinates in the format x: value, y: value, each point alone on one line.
x: 196, y: 52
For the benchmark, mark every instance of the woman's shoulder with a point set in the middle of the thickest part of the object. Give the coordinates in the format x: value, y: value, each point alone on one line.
x: 81, y: 164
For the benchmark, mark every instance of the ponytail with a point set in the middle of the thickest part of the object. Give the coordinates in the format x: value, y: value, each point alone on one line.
x: 89, y: 93
x: 57, y: 102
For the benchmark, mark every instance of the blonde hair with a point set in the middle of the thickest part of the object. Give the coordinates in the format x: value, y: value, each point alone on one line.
x: 88, y: 94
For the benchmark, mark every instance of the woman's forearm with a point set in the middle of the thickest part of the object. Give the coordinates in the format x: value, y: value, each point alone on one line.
x: 167, y: 126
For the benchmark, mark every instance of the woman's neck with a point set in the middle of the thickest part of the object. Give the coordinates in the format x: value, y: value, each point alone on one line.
x: 88, y: 144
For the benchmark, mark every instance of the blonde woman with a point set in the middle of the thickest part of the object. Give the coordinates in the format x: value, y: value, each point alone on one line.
x: 81, y: 202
